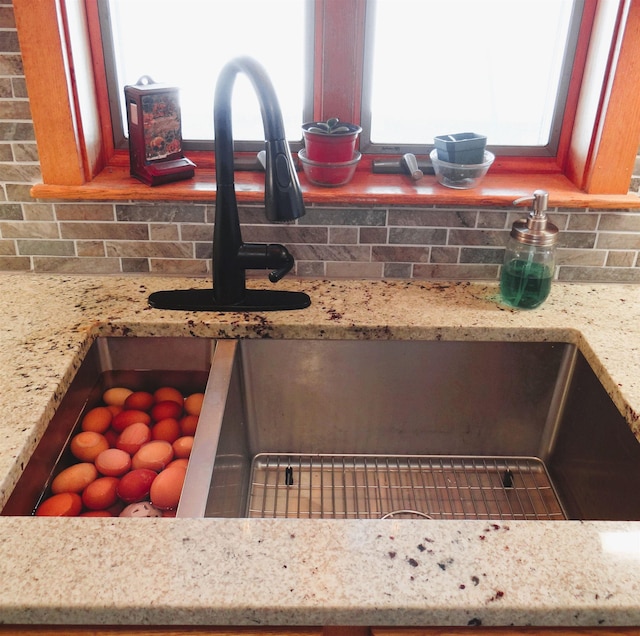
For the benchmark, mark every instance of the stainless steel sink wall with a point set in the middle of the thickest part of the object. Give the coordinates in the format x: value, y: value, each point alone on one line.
x: 412, y: 397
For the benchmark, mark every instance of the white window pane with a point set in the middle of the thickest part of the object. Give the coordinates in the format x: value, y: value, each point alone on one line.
x: 187, y: 43
x: 491, y: 67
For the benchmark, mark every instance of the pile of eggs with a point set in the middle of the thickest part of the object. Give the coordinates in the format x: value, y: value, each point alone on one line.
x: 131, y: 456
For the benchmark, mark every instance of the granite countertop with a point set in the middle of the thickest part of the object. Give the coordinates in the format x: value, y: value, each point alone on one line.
x: 296, y: 572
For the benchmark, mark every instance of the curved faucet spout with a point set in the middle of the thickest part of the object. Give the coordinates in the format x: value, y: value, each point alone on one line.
x: 283, y: 197
x: 283, y: 202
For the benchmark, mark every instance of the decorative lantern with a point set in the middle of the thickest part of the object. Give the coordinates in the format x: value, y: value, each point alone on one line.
x: 155, y: 133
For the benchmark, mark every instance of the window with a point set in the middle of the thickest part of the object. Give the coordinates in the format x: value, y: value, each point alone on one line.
x: 497, y: 67
x: 63, y: 62
x: 503, y: 70
x: 186, y: 44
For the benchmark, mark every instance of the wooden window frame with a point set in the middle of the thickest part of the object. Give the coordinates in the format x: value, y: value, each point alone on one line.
x: 64, y: 70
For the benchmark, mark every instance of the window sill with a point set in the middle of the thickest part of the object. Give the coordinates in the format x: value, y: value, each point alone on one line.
x: 496, y: 190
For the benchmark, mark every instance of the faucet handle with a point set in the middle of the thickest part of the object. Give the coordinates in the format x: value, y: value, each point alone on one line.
x: 282, y: 254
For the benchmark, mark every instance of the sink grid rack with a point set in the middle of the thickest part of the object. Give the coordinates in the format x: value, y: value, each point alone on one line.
x: 373, y: 487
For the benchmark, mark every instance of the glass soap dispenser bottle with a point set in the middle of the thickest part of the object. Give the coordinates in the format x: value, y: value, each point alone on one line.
x: 529, y: 261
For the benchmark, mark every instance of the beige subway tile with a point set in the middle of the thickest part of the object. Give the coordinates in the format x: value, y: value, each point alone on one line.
x: 397, y: 254
x: 164, y: 232
x: 619, y: 258
x: 17, y: 191
x: 456, y: 272
x: 190, y: 267
x: 29, y: 229
x: 55, y: 265
x: 121, y: 231
x: 354, y: 270
x: 149, y: 249
x: 15, y: 263
x: 85, y: 212
x: 345, y: 235
x: 7, y: 248
x: 40, y: 247
x: 90, y: 248
x: 38, y: 212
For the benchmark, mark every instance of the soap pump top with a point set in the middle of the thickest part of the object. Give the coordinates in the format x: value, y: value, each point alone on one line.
x: 536, y: 229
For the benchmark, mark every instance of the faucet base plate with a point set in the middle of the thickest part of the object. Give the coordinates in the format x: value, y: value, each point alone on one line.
x: 254, y: 300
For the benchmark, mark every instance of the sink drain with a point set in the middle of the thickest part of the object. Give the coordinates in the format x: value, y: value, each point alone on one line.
x: 406, y: 514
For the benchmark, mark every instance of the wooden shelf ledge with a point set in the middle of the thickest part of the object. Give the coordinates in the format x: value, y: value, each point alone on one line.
x: 496, y: 190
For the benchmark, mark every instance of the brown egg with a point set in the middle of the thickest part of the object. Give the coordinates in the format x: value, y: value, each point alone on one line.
x: 154, y: 455
x: 97, y: 420
x: 193, y: 403
x: 116, y: 396
x: 188, y: 424
x: 101, y: 493
x: 167, y: 429
x: 135, y: 485
x: 182, y: 446
x: 139, y: 400
x: 181, y: 461
x: 133, y: 437
x: 167, y: 487
x: 87, y: 445
x: 129, y: 417
x: 113, y: 462
x: 168, y: 393
x: 115, y: 409
x: 64, y: 504
x: 75, y: 478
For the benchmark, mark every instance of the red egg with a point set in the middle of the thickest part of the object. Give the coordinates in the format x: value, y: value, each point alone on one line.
x: 111, y: 437
x: 167, y: 429
x: 65, y: 504
x: 139, y: 400
x: 135, y: 485
x: 127, y: 418
x: 188, y: 424
x: 163, y: 410
x: 101, y: 493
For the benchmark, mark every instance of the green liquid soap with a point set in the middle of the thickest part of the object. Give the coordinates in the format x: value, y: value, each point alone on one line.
x: 525, y: 285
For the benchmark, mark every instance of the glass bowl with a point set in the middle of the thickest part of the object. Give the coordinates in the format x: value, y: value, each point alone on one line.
x: 329, y: 174
x: 460, y: 176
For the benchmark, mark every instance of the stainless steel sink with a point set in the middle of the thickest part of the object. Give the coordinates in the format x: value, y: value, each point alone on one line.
x: 354, y: 429
x: 443, y: 430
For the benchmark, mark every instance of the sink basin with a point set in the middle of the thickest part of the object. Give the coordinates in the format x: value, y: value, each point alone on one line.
x: 141, y: 364
x: 354, y: 429
x: 349, y: 429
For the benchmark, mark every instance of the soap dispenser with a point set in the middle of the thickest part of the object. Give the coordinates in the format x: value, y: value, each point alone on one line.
x: 529, y: 260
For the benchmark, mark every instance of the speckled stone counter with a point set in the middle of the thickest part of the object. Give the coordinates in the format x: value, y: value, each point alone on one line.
x: 296, y: 572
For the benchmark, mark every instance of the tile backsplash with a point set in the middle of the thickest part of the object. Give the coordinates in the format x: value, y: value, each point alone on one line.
x: 355, y: 242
